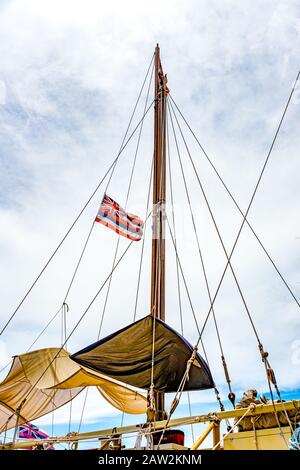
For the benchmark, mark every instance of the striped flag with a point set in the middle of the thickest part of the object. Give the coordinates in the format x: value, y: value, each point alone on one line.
x: 30, y: 431
x: 113, y: 216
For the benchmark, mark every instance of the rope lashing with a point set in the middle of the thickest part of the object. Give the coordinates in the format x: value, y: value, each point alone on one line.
x: 151, y: 408
x: 251, y: 408
x: 190, y: 362
x: 270, y: 372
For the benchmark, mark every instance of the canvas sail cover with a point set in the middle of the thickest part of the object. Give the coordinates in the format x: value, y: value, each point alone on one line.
x: 62, y: 382
x: 127, y: 355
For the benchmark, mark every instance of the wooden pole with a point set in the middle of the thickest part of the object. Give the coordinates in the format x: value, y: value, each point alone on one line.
x: 187, y: 420
x: 159, y: 199
x: 216, y: 436
x: 203, y: 436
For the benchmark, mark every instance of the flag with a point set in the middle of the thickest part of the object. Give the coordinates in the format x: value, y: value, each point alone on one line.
x: 113, y: 216
x: 30, y: 431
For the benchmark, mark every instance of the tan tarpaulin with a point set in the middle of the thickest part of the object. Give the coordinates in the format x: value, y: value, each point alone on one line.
x: 266, y: 420
x: 62, y: 381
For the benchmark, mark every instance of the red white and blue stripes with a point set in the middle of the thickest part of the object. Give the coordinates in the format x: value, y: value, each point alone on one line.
x: 113, y: 216
x: 30, y: 431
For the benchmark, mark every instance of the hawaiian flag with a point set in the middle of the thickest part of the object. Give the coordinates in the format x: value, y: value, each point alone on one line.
x: 30, y: 431
x: 113, y: 216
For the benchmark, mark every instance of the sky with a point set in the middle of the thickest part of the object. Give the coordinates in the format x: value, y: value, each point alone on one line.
x: 70, y: 74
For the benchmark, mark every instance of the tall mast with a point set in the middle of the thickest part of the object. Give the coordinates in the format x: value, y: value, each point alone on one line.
x: 159, y: 199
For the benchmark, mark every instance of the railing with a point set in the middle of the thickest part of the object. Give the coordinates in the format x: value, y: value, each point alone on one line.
x: 214, y: 419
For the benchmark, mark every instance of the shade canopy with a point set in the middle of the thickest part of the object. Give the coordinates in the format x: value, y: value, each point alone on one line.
x: 49, y: 379
x: 127, y: 356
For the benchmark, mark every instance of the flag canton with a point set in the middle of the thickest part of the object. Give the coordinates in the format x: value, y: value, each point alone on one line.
x: 30, y: 431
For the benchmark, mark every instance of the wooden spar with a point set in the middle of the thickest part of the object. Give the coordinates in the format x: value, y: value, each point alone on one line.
x: 203, y: 436
x: 159, y: 194
x: 208, y: 418
x: 159, y: 199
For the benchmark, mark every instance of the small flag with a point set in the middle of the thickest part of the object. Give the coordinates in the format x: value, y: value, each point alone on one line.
x: 30, y: 431
x: 113, y: 216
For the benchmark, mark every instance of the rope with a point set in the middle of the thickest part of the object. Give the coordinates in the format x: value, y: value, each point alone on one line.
x: 178, y: 394
x: 216, y: 446
x: 52, y: 422
x: 76, y: 326
x: 108, y: 289
x: 128, y: 192
x: 237, y: 205
x: 272, y: 379
x: 38, y: 337
x: 79, y: 261
x: 202, y: 263
x: 245, y: 216
x: 132, y: 115
x: 64, y: 307
x: 143, y: 246
x: 45, y: 328
x: 228, y: 257
x: 177, y: 267
x: 274, y: 408
x: 126, y: 202
x: 82, y: 411
x: 70, y: 414
x: 254, y: 192
x: 193, y: 312
x: 73, y: 224
x: 144, y: 432
x: 79, y: 321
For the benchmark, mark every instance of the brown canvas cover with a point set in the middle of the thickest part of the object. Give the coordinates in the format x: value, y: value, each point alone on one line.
x: 127, y: 356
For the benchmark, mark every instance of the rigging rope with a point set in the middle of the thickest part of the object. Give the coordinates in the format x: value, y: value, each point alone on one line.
x: 127, y: 195
x: 177, y: 267
x: 242, y: 296
x: 70, y: 415
x: 236, y: 203
x: 126, y: 202
x: 73, y: 224
x: 132, y: 115
x: 216, y: 446
x: 38, y: 337
x: 77, y: 324
x: 112, y: 172
x: 64, y: 307
x: 264, y: 355
x: 219, y: 236
x: 143, y: 245
x: 83, y: 409
x: 231, y: 396
x: 195, y: 319
x: 253, y: 195
x: 74, y: 328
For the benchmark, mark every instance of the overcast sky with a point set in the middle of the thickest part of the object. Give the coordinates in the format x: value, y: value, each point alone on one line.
x: 70, y: 73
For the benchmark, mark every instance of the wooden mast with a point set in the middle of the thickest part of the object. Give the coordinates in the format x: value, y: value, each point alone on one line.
x: 159, y: 199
